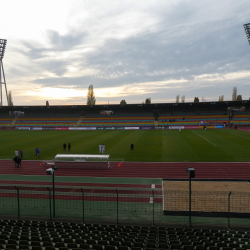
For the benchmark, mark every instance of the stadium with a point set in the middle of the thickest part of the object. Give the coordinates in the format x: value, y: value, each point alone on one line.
x: 138, y: 176
x: 139, y: 199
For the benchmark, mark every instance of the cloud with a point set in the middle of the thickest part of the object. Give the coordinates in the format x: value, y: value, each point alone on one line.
x: 137, y: 49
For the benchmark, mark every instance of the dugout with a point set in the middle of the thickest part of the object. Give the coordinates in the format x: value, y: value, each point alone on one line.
x: 83, y: 161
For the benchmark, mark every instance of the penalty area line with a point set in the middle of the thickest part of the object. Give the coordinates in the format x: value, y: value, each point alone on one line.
x: 204, y: 139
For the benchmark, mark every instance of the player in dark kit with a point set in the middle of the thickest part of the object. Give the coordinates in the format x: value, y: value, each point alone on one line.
x: 132, y: 147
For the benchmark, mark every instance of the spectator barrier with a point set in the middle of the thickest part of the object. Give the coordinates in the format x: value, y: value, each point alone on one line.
x: 115, y: 206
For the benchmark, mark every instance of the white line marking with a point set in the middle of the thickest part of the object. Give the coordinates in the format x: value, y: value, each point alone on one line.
x: 204, y: 138
x: 240, y: 136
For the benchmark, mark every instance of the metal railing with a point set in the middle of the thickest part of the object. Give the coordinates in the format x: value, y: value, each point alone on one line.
x: 113, y: 206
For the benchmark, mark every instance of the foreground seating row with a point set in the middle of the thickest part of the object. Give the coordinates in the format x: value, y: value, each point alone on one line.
x: 35, y: 235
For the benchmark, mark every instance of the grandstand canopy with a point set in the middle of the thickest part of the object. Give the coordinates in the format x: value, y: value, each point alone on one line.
x: 80, y: 157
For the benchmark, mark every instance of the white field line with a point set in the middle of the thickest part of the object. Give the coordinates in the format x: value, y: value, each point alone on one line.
x: 240, y: 136
x: 204, y: 138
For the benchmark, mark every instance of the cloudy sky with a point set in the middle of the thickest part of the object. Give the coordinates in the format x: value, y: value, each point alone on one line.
x: 128, y: 50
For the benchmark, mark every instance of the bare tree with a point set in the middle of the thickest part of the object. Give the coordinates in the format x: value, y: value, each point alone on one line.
x: 234, y: 95
x: 239, y: 98
x: 183, y: 99
x: 148, y: 100
x: 221, y: 98
x: 177, y: 98
x: 91, y: 96
x: 196, y: 99
x: 10, y: 99
x: 123, y: 103
x: 203, y: 99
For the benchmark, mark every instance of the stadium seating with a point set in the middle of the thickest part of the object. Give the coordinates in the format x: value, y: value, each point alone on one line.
x: 35, y: 235
x: 118, y: 120
x: 47, y: 121
x: 193, y: 119
x: 241, y: 118
x: 5, y: 121
x: 134, y: 120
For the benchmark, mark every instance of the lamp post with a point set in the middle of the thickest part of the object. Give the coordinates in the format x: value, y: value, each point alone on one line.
x: 51, y: 171
x: 191, y: 174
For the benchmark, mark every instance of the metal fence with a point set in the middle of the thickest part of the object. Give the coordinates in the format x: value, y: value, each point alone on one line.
x: 113, y: 206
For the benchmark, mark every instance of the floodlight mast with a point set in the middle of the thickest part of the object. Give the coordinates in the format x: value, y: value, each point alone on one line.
x: 2, y: 50
x: 247, y: 30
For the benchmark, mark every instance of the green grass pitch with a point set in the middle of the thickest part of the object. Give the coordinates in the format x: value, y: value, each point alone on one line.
x: 211, y: 145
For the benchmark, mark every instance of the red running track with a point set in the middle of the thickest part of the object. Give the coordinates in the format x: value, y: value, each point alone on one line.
x: 213, y: 170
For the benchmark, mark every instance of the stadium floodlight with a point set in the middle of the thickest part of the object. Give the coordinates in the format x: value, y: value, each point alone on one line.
x: 2, y: 47
x: 247, y: 30
x: 2, y: 50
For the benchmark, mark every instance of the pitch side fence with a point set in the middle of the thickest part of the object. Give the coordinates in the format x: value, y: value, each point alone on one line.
x: 113, y: 206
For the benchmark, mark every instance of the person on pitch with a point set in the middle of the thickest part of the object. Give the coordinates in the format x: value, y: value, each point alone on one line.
x: 132, y: 147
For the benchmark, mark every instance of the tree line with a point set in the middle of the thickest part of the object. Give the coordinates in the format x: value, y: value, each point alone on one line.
x: 91, y: 100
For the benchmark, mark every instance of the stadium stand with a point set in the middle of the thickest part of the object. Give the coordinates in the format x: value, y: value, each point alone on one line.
x: 5, y: 121
x: 117, y: 120
x: 242, y: 118
x: 47, y: 121
x: 187, y: 119
x: 129, y: 115
x: 18, y: 234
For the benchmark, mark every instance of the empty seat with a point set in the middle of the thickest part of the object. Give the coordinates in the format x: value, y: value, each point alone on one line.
x: 197, y: 243
x: 59, y: 244
x: 23, y: 247
x: 213, y: 248
x: 36, y: 248
x: 208, y: 244
x: 72, y: 245
x: 136, y: 248
x: 233, y: 245
x: 139, y: 244
x: 175, y: 246
x: 150, y: 245
x: 221, y: 244
x: 14, y: 237
x: 186, y: 243
x: 47, y: 244
x: 11, y: 246
x: 24, y: 237
x: 85, y: 246
x: 187, y: 247
x: 110, y: 247
x: 24, y: 242
x: 97, y: 247
x: 2, y: 241
x: 200, y: 247
x: 246, y: 246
